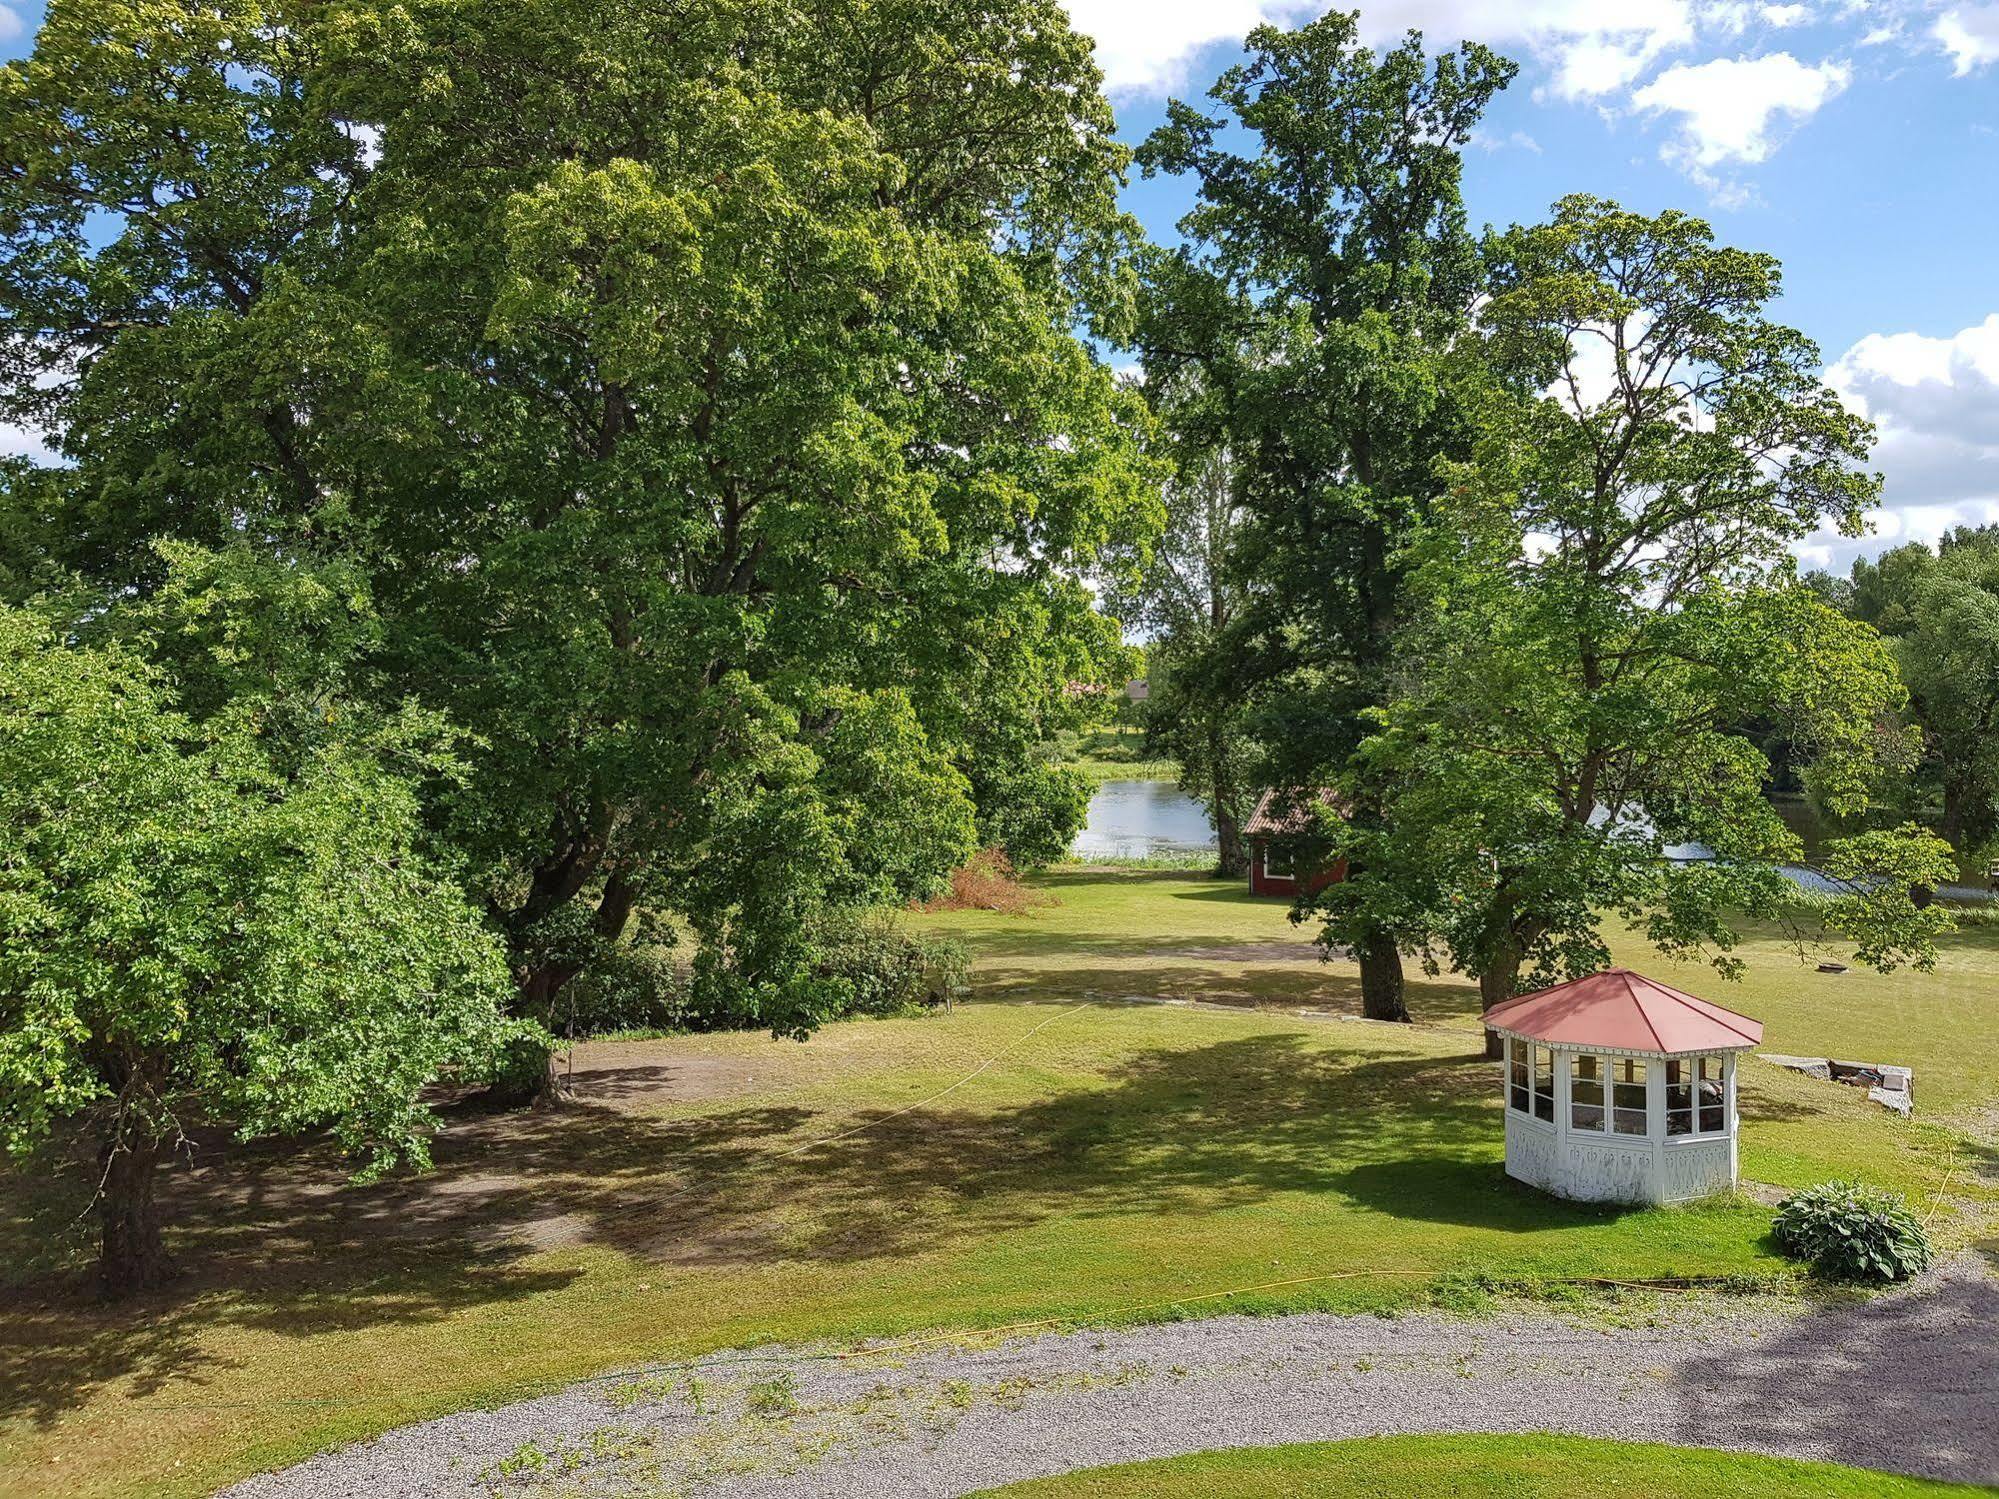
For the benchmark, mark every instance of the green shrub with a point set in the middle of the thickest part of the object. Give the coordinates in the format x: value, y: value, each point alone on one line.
x: 636, y: 986
x: 886, y: 969
x: 874, y: 966
x: 1852, y: 1232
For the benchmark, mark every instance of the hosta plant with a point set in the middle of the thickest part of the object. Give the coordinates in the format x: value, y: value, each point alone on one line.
x: 1853, y: 1232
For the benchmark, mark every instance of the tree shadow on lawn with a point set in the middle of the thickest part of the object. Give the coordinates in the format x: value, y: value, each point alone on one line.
x: 1271, y: 986
x: 1031, y: 942
x: 278, y: 1240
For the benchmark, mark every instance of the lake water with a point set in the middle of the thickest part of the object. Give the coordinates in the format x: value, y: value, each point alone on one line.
x: 1143, y: 819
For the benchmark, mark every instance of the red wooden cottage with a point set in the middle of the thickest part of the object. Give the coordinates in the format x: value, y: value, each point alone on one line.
x: 1272, y: 868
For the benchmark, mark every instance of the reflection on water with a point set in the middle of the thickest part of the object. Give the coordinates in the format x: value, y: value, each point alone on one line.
x: 1141, y: 819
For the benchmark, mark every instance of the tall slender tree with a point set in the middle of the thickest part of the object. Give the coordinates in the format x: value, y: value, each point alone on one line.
x: 1188, y: 600
x: 1327, y: 284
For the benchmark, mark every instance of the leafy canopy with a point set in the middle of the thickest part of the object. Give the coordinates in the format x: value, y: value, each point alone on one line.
x: 1606, y: 601
x: 190, y: 936
x: 696, y: 390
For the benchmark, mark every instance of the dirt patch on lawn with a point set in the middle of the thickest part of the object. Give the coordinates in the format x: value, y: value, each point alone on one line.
x: 1249, y: 952
x: 633, y: 1077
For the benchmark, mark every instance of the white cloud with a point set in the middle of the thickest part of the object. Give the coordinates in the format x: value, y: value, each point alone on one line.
x: 1592, y: 48
x: 10, y: 24
x: 1728, y: 110
x: 1145, y: 48
x: 1970, y: 34
x: 21, y: 442
x: 1935, y: 402
x: 1786, y: 15
x: 1518, y: 140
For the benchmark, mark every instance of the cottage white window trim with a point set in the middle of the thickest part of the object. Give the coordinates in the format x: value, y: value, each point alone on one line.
x: 1530, y: 1080
x: 1271, y: 856
x: 1589, y: 1104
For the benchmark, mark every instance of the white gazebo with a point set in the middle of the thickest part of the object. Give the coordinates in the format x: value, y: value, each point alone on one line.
x: 1620, y: 1089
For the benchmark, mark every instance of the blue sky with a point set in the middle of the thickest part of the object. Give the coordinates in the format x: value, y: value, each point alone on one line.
x: 1857, y: 140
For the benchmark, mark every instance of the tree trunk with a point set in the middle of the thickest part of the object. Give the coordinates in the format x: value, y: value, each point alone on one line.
x: 1499, y: 983
x: 131, y: 1256
x: 527, y: 1077
x: 1232, y: 860
x: 1381, y: 996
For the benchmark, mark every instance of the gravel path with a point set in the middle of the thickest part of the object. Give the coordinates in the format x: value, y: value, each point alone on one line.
x: 1908, y: 1382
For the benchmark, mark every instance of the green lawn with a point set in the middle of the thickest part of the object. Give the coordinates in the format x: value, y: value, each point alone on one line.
x: 1043, y: 1153
x: 1478, y: 1467
x: 1177, y: 935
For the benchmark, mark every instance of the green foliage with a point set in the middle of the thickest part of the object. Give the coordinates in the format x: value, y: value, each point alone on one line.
x: 192, y: 936
x: 1940, y: 610
x: 868, y: 963
x: 694, y: 396
x: 641, y: 985
x: 1605, y: 600
x: 1853, y: 1232
x: 1034, y: 809
x: 887, y: 970
x: 1310, y: 339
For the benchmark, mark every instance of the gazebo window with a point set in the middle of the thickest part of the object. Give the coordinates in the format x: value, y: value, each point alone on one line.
x: 1531, y: 1080
x: 1586, y: 1091
x: 1627, y: 1095
x: 1696, y: 1096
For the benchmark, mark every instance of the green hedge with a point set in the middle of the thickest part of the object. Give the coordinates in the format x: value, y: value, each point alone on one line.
x: 881, y: 968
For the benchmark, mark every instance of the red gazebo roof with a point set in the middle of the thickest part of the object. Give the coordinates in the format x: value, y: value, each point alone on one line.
x: 1619, y: 1010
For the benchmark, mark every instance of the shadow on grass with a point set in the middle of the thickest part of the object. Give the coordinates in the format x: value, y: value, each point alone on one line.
x: 278, y: 1240
x: 1471, y: 1193
x: 1277, y: 987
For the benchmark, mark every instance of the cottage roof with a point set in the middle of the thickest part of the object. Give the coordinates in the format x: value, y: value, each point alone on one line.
x: 1619, y: 1010
x: 1278, y: 813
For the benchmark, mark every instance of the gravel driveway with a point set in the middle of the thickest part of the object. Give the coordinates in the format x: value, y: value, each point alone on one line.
x: 1908, y: 1382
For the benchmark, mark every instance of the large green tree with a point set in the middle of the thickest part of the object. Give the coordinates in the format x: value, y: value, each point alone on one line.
x: 1605, y: 598
x: 1940, y: 610
x: 197, y: 932
x: 1323, y: 297
x: 698, y: 388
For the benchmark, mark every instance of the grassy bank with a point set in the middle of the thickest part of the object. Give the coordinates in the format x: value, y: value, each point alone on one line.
x: 1044, y: 1152
x: 1114, y: 753
x: 1517, y: 1467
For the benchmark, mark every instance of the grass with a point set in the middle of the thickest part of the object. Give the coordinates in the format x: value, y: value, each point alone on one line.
x: 1161, y: 934
x: 1039, y: 1154
x: 1114, y: 752
x: 1488, y: 1467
